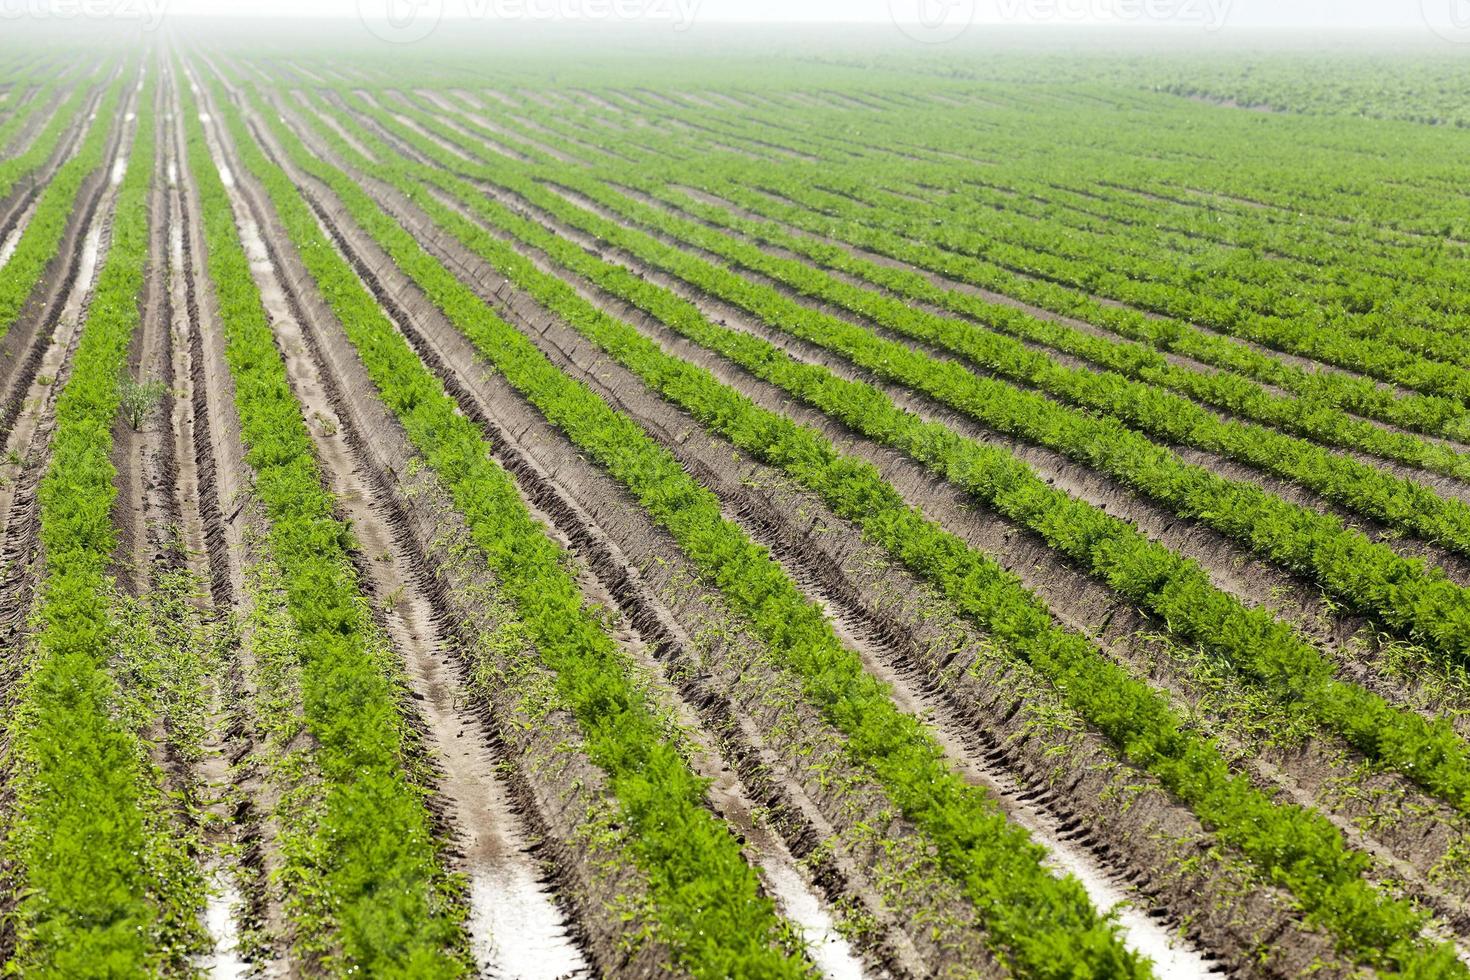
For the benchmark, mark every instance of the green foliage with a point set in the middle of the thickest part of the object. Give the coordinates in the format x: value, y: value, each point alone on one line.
x: 377, y: 854
x: 1295, y: 847
x: 43, y: 231
x: 706, y: 896
x: 1175, y: 589
x: 16, y: 169
x: 1045, y: 925
x: 84, y: 846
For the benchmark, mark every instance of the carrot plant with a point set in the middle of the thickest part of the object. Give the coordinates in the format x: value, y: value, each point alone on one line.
x: 100, y: 876
x: 41, y: 239
x: 1042, y: 924
x: 1251, y: 641
x: 381, y: 882
x: 707, y: 902
x: 1291, y: 845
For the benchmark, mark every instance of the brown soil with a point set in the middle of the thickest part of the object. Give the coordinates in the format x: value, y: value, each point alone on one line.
x: 1447, y: 485
x: 460, y: 262
x: 555, y: 800
x: 1231, y: 568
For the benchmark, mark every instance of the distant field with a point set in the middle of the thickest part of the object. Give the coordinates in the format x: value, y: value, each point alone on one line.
x: 816, y: 510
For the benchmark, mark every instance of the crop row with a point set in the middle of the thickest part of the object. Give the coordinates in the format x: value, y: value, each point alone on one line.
x: 1042, y: 924
x: 1235, y: 394
x: 706, y: 898
x: 22, y: 110
x: 1358, y: 289
x: 779, y: 194
x: 1398, y: 502
x: 1177, y: 590
x: 1293, y: 846
x: 43, y: 232
x: 1165, y: 153
x: 378, y: 870
x: 94, y: 864
x: 1171, y: 418
x: 1358, y: 279
x: 1330, y: 344
x: 1231, y: 393
x: 1309, y: 286
x: 14, y: 168
x: 1195, y: 227
x: 1217, y: 295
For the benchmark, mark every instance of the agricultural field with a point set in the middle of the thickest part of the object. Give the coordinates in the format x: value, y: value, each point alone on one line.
x: 816, y: 511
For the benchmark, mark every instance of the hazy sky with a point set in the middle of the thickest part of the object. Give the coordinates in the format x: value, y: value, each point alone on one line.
x: 1245, y: 13
x: 935, y: 19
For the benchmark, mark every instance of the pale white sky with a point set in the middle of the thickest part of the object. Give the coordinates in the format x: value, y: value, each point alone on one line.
x: 927, y: 20
x: 1242, y: 13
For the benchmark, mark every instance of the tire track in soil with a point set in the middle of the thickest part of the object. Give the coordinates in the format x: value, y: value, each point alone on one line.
x: 159, y: 518
x: 229, y: 534
x: 432, y: 240
x: 473, y: 807
x: 35, y: 360
x: 615, y: 566
x: 1316, y: 773
x: 1093, y: 609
